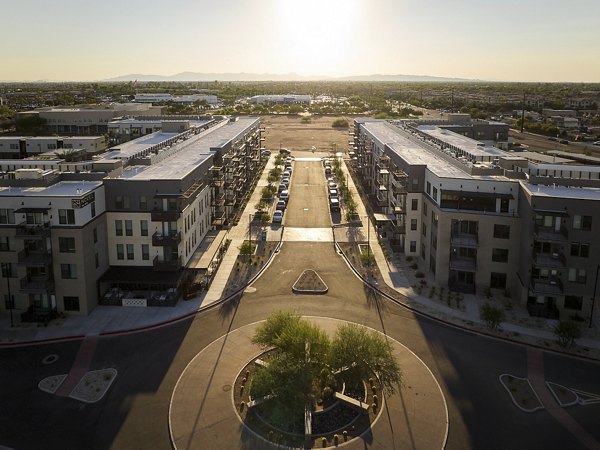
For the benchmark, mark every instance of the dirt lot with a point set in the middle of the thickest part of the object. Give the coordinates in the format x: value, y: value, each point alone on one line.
x: 290, y: 132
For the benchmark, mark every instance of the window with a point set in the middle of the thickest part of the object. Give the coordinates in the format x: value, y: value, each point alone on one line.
x: 9, y: 302
x: 143, y: 202
x: 130, y: 254
x: 145, y: 252
x: 35, y: 218
x: 500, y: 255
x: 428, y: 188
x: 434, y: 219
x: 497, y: 280
x: 435, y: 191
x: 128, y: 228
x: 93, y: 209
x: 413, y: 224
x: 415, y: 204
x: 119, y: 227
x: 95, y: 233
x: 66, y: 216
x: 501, y: 231
x: 574, y: 302
x: 422, y: 250
x: 577, y: 275
x: 413, y: 246
x: 582, y: 222
x: 580, y: 249
x: 7, y: 216
x: 120, y: 252
x: 122, y: 202
x: 424, y: 229
x: 425, y: 209
x: 415, y: 184
x: 68, y: 271
x: 66, y: 244
x: 96, y: 260
x: 144, y: 227
x: 8, y: 270
x: 4, y: 244
x: 71, y: 303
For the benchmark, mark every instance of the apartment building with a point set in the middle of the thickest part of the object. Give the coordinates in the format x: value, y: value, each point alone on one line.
x: 128, y: 233
x: 18, y: 147
x: 478, y: 218
x: 126, y: 129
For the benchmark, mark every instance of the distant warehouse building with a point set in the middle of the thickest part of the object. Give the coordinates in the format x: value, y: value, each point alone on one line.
x: 183, y: 99
x: 288, y: 99
x: 17, y: 147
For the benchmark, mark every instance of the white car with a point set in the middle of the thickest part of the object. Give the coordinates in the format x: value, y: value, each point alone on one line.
x: 284, y: 195
x: 596, y: 143
x: 277, y: 216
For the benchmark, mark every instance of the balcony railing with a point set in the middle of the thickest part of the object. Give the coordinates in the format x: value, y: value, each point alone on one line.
x: 463, y: 263
x: 162, y: 240
x: 33, y: 257
x: 37, y: 284
x: 158, y: 215
x: 464, y: 240
x: 549, y: 286
x: 162, y: 265
x: 27, y: 231
x: 551, y: 234
x: 554, y: 260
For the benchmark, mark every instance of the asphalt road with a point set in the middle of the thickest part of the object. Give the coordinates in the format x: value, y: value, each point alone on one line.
x: 133, y: 414
x: 308, y: 204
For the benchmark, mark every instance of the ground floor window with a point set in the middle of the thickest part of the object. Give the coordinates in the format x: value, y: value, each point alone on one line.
x: 574, y: 302
x: 498, y: 280
x: 71, y: 303
x: 413, y: 246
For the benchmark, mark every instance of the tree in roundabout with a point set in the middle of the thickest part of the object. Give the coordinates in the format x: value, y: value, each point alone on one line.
x: 306, y: 367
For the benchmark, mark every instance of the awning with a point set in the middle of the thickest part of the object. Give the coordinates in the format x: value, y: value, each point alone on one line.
x: 551, y: 212
x: 206, y: 251
x: 478, y: 194
x: 140, y: 275
x: 32, y: 209
x: 384, y: 217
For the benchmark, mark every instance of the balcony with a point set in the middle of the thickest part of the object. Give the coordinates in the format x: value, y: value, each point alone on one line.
x: 158, y: 215
x: 37, y: 284
x: 463, y: 263
x: 32, y: 231
x: 399, y: 229
x: 162, y: 240
x: 218, y: 200
x: 162, y: 265
x: 398, y: 189
x: 551, y: 234
x: 464, y: 240
x: 546, y: 286
x: 34, y: 258
x: 555, y: 260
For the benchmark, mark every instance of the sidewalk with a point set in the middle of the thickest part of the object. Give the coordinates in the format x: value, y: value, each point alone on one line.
x: 399, y: 276
x: 107, y: 319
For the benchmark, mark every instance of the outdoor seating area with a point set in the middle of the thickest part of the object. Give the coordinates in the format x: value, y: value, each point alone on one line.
x: 116, y: 296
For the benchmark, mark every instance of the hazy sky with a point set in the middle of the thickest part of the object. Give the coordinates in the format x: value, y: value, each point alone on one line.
x: 513, y: 40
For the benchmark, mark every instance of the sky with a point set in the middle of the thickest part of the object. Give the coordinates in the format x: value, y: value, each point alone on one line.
x: 508, y: 40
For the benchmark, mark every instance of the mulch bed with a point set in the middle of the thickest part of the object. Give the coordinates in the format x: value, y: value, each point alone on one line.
x: 247, y: 266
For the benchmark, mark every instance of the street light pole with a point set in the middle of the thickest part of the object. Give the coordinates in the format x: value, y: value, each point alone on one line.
x: 9, y: 302
x: 594, y: 297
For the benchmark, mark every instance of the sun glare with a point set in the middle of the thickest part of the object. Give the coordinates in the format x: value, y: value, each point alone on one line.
x: 316, y: 35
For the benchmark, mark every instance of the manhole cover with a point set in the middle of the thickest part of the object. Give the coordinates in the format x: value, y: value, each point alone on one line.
x: 226, y: 387
x: 52, y: 358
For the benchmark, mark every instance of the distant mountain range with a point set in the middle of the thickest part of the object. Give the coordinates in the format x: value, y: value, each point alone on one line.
x: 197, y: 76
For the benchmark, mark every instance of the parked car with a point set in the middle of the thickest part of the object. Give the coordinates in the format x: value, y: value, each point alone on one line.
x: 280, y: 205
x: 286, y: 174
x: 327, y: 170
x: 552, y: 139
x: 334, y: 205
x: 596, y: 143
x: 277, y: 216
x: 284, y: 151
x: 281, y: 187
x: 333, y: 193
x: 564, y: 141
x: 265, y: 153
x: 286, y: 181
x: 284, y: 195
x: 332, y: 185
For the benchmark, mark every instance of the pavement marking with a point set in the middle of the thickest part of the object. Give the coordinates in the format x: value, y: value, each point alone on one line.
x: 535, y: 372
x: 80, y: 366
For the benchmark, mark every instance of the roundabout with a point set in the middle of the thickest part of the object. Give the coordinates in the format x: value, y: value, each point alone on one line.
x: 203, y: 413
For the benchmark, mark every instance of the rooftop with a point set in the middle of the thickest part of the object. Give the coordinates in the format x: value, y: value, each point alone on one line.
x: 63, y: 188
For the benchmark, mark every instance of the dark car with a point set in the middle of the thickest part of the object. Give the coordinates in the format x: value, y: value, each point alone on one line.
x: 280, y: 205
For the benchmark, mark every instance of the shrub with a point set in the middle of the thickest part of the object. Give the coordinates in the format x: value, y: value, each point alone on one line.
x: 567, y: 333
x: 345, y: 434
x: 340, y: 123
x: 324, y: 442
x: 492, y: 316
x: 336, y: 439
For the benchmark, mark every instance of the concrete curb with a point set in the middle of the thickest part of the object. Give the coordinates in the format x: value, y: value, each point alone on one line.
x: 455, y: 325
x: 154, y: 325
